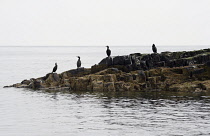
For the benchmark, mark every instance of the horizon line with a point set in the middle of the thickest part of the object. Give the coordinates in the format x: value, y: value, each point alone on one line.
x: 93, y: 45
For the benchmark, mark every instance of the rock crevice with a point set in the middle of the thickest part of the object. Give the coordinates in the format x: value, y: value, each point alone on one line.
x: 167, y: 71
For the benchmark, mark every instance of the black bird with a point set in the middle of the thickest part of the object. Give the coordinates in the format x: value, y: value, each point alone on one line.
x: 154, y: 49
x: 55, y: 67
x: 108, y: 51
x: 78, y: 62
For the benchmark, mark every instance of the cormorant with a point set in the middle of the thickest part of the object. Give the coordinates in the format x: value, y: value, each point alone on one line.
x: 154, y: 49
x: 108, y: 51
x: 78, y: 62
x: 55, y: 67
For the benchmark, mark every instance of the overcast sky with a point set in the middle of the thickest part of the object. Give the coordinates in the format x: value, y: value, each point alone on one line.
x: 104, y: 22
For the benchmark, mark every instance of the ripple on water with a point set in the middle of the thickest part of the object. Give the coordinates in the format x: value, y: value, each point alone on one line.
x: 52, y: 113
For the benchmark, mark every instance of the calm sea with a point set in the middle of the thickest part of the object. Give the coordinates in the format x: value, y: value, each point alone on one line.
x: 39, y: 113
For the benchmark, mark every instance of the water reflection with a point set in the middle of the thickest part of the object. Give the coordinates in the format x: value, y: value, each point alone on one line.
x: 165, y: 113
x: 110, y: 113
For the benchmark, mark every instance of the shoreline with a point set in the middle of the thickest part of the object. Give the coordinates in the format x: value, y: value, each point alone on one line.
x: 167, y: 71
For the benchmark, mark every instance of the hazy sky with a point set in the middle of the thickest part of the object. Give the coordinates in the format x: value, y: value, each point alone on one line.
x: 102, y: 22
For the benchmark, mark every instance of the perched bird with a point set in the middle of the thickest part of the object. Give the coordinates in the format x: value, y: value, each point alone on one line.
x: 78, y: 62
x: 154, y: 49
x: 55, y: 67
x: 108, y: 51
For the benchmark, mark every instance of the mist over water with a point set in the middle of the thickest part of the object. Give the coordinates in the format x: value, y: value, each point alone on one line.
x: 30, y: 113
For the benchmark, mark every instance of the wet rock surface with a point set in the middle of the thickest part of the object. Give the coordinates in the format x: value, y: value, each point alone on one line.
x: 167, y: 71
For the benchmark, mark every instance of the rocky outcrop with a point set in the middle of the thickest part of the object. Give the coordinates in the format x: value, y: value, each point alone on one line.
x: 138, y: 61
x: 167, y: 71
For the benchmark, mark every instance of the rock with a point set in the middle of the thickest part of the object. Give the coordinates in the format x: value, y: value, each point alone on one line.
x: 97, y: 68
x: 7, y: 86
x: 72, y: 81
x: 198, y: 71
x: 167, y: 71
x: 143, y: 86
x: 143, y: 66
x: 160, y: 64
x: 66, y: 83
x: 152, y: 81
x: 128, y: 87
x: 155, y: 57
x: 36, y: 84
x: 106, y: 61
x: 110, y: 78
x: 97, y: 86
x: 96, y: 77
x: 126, y: 77
x: 17, y: 85
x: 27, y: 82
x: 207, y: 63
x: 109, y: 86
x: 201, y: 86
x: 119, y: 86
x: 122, y: 60
x: 23, y: 86
x: 53, y: 77
x: 198, y: 90
x: 109, y: 71
x: 141, y: 78
x: 78, y: 72
x: 81, y: 84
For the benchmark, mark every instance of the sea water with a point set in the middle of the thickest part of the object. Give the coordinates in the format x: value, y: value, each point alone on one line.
x: 25, y: 112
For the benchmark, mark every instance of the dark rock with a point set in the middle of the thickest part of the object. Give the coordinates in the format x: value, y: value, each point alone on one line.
x: 160, y: 64
x: 143, y: 86
x: 56, y: 77
x: 106, y: 61
x: 164, y: 58
x: 155, y: 57
x: 103, y: 61
x: 52, y: 77
x: 189, y: 71
x: 208, y: 64
x: 36, y: 84
x: 135, y: 58
x: 121, y: 60
x: 97, y: 68
x: 8, y: 86
x: 45, y: 77
x: 119, y: 86
x: 198, y: 71
x: 109, y: 86
x: 27, y: 82
x: 23, y: 86
x: 127, y: 60
x: 142, y: 76
x: 143, y: 65
x: 116, y: 60
x: 201, y: 86
x: 115, y: 70
x: 76, y: 71
x: 109, y: 61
